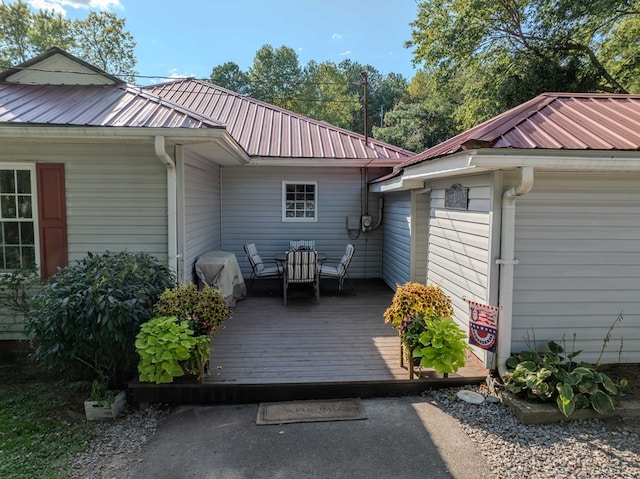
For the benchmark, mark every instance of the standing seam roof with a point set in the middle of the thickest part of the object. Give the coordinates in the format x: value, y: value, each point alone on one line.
x: 296, y: 137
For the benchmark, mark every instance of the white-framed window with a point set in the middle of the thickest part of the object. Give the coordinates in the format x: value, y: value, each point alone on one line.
x: 18, y: 214
x: 300, y: 201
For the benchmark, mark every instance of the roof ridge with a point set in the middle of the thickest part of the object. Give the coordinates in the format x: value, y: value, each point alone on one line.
x: 204, y: 119
x: 284, y: 111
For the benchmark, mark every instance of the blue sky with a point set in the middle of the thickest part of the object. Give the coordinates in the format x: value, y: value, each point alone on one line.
x: 190, y: 37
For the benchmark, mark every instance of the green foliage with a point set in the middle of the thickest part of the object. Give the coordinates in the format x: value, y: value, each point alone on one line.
x: 230, y: 76
x: 411, y: 299
x: 37, y: 438
x: 169, y: 349
x: 16, y: 287
x: 555, y: 376
x: 88, y: 314
x: 500, y: 54
x: 205, y: 310
x: 100, y: 39
x: 442, y: 345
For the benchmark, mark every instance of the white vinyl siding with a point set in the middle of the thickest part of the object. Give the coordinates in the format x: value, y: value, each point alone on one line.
x: 396, y: 227
x: 459, y: 244
x: 116, y: 200
x: 578, y: 248
x: 201, y: 209
x: 252, y: 213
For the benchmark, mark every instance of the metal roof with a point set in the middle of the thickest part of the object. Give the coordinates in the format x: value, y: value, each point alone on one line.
x: 267, y: 131
x: 72, y: 105
x: 558, y: 121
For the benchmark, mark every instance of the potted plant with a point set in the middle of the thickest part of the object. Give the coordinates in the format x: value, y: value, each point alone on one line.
x: 104, y: 403
x: 411, y: 304
x: 442, y: 345
x: 178, y: 341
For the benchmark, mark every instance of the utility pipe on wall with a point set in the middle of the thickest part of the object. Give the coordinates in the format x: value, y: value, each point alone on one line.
x: 507, y: 262
x: 172, y: 239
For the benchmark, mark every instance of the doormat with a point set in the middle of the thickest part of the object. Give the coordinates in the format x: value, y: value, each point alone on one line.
x: 310, y: 411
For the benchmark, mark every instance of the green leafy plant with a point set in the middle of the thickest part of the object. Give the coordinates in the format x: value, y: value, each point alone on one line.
x: 442, y: 345
x: 85, y: 318
x: 413, y: 298
x: 168, y: 349
x: 16, y: 287
x: 555, y: 376
x: 205, y: 310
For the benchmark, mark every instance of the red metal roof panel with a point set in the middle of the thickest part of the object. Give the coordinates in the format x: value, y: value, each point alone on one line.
x: 268, y: 131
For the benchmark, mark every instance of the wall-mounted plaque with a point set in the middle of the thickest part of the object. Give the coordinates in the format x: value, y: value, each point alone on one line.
x: 456, y: 197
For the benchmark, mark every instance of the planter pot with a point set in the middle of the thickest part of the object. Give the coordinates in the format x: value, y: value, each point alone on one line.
x: 97, y: 410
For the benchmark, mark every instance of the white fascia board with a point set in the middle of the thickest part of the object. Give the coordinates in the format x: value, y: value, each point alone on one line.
x: 559, y: 160
x: 199, y: 134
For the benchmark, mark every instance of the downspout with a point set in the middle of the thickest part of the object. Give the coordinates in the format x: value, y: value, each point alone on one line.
x: 172, y: 239
x: 507, y: 262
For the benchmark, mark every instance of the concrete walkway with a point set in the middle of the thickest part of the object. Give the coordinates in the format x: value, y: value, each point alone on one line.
x: 404, y: 437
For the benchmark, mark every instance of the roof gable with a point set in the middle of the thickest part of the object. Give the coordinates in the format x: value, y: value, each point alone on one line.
x: 57, y: 67
x: 569, y: 121
x: 265, y: 130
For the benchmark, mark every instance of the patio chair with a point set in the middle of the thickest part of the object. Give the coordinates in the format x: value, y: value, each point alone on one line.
x: 302, y: 245
x: 301, y: 267
x: 340, y: 270
x: 258, y: 268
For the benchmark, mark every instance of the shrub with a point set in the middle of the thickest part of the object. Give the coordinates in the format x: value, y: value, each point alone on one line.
x: 87, y: 315
x: 205, y: 310
x: 16, y: 288
x: 554, y: 376
x: 413, y: 298
x: 169, y: 349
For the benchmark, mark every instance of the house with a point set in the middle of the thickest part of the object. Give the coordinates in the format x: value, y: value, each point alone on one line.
x: 89, y: 164
x: 537, y: 212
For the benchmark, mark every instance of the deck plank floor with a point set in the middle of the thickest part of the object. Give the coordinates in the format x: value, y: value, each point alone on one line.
x: 342, y: 339
x: 339, y: 348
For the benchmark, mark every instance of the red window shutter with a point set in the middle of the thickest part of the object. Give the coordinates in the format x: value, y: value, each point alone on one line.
x: 52, y: 217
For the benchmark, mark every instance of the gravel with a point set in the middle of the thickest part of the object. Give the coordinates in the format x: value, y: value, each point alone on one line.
x: 573, y: 450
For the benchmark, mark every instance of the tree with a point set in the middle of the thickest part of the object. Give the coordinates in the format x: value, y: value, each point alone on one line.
x: 230, y: 76
x: 100, y: 39
x: 325, y: 95
x: 275, y: 76
x: 511, y: 50
x: 24, y: 34
x: 423, y: 118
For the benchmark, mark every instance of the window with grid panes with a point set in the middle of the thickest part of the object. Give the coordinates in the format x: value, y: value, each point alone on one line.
x: 17, y: 224
x: 299, y: 201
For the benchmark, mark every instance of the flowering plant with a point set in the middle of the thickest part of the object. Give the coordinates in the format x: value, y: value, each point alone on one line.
x: 410, y: 329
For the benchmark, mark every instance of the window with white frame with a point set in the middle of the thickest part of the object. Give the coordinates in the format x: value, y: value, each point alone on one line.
x: 299, y: 201
x: 17, y: 222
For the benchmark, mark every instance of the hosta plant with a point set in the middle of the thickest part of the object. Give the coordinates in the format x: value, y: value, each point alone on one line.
x: 442, y: 345
x: 554, y: 376
x: 168, y: 349
x: 413, y: 298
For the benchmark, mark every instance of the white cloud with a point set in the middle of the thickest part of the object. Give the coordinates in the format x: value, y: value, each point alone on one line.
x: 58, y: 6
x: 173, y: 73
x: 336, y: 36
x: 345, y: 53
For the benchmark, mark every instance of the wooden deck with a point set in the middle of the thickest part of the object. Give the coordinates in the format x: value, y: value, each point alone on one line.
x: 338, y: 348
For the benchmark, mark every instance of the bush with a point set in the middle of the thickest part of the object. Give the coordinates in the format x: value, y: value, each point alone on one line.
x: 554, y: 376
x: 412, y: 299
x: 86, y: 317
x: 205, y: 310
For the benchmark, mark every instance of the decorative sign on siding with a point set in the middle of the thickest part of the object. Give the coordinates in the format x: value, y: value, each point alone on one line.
x: 456, y: 197
x: 483, y: 325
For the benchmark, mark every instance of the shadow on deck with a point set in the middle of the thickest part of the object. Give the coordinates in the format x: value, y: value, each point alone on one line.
x: 338, y: 348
